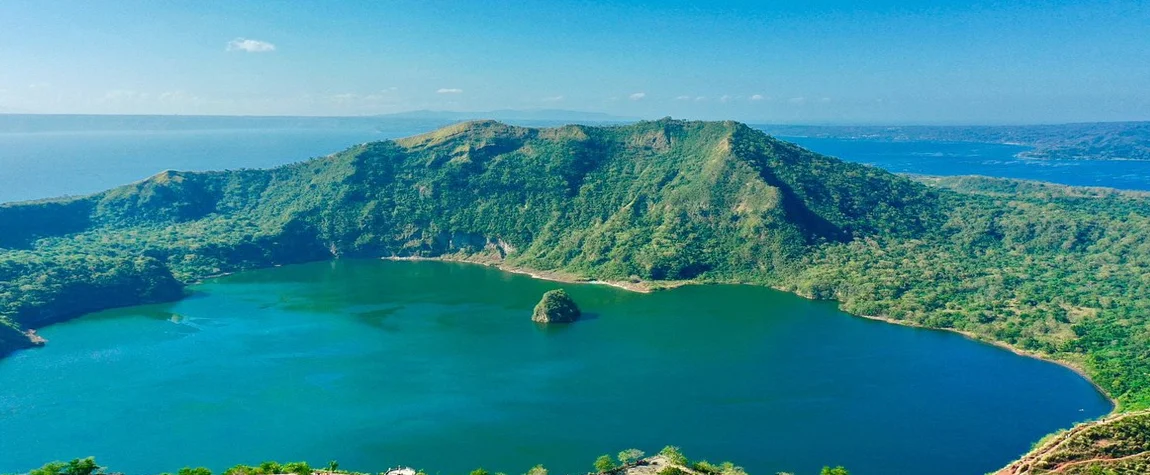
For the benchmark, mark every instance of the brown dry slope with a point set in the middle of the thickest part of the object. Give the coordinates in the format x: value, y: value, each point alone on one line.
x: 1116, y: 445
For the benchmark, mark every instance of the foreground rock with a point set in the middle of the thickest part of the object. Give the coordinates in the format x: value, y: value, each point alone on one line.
x: 556, y: 307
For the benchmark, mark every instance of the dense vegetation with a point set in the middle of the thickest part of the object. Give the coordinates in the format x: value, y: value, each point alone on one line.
x: 1087, y: 141
x: 669, y: 461
x: 1058, y: 271
x: 556, y: 306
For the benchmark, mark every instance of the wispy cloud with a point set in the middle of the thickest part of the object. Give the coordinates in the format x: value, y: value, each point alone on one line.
x: 380, y: 96
x: 178, y: 97
x: 250, y: 46
x: 553, y: 99
x: 449, y: 90
x: 124, y: 94
x: 725, y: 98
x: 638, y: 96
x: 700, y: 98
x: 757, y: 97
x: 683, y: 98
x: 797, y: 100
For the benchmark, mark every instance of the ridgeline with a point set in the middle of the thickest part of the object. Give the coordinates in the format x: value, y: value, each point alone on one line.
x: 1054, y: 271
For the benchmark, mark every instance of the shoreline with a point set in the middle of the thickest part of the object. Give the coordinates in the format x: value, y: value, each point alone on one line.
x: 643, y: 287
x: 35, y: 338
x: 1081, y: 372
x: 647, y: 287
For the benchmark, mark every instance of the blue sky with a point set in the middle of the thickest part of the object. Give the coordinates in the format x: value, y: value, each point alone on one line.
x: 818, y: 61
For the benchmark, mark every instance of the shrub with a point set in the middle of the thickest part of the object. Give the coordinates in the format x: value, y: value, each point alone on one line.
x: 673, y: 455
x: 604, y: 464
x: 630, y: 456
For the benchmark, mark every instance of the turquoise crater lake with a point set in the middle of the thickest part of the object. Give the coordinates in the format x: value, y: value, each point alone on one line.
x: 437, y: 365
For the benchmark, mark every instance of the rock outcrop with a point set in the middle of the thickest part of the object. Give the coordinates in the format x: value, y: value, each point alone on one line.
x: 12, y: 339
x: 556, y: 307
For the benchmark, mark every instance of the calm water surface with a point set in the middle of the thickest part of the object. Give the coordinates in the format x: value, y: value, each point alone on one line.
x: 437, y: 365
x: 996, y: 160
x: 50, y: 164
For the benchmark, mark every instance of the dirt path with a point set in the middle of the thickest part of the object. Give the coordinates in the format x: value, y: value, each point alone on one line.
x: 1026, y: 464
x: 1063, y: 467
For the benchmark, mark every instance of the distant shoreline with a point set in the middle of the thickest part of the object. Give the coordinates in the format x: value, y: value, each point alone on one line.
x: 1018, y: 351
x: 651, y: 286
x: 644, y: 287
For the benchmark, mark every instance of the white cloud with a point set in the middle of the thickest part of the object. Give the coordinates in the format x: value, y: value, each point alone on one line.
x: 637, y: 96
x: 250, y: 46
x: 797, y: 100
x: 449, y: 90
x: 700, y: 98
x: 757, y: 97
x: 725, y: 98
x: 553, y: 99
x: 825, y: 100
x: 683, y: 98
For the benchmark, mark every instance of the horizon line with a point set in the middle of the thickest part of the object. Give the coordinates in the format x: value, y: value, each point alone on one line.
x: 608, y: 117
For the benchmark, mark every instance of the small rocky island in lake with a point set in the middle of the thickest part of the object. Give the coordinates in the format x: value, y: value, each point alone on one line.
x: 556, y: 307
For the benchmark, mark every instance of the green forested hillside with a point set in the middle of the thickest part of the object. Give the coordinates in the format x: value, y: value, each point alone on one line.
x: 1049, y: 269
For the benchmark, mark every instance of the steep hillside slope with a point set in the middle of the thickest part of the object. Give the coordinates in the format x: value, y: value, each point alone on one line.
x: 655, y: 200
x: 663, y: 200
x: 1054, y: 271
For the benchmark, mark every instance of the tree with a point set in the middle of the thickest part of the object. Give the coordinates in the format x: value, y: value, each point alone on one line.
x: 298, y: 468
x: 50, y: 468
x: 268, y: 468
x: 728, y: 468
x: 537, y: 470
x: 604, y: 464
x: 673, y: 455
x: 332, y: 466
x: 839, y: 470
x: 630, y: 456
x: 241, y: 470
x: 480, y: 471
x: 194, y: 471
x: 85, y: 466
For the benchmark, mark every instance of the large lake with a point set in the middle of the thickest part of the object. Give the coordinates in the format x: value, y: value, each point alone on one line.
x: 437, y: 365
